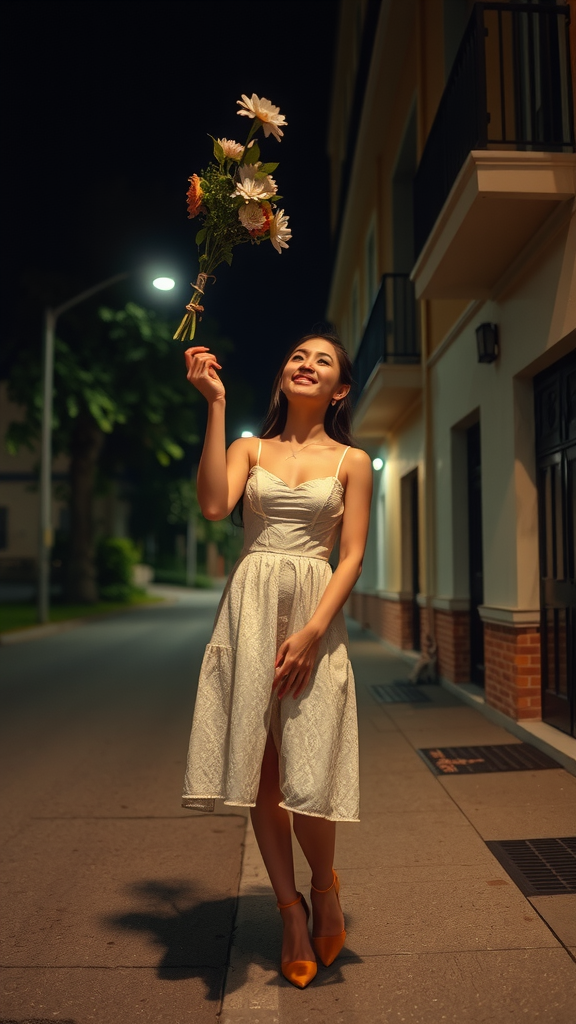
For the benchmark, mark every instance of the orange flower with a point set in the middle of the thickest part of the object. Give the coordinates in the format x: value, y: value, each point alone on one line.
x: 194, y: 196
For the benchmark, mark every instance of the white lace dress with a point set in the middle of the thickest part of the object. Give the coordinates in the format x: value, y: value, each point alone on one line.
x: 272, y: 592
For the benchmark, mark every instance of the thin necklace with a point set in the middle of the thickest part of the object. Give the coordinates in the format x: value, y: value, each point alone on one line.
x: 297, y: 452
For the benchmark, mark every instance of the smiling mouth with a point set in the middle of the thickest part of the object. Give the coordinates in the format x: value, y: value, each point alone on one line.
x: 301, y: 378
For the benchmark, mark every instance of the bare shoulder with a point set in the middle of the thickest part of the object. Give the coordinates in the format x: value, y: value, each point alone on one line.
x: 358, y: 461
x: 243, y: 449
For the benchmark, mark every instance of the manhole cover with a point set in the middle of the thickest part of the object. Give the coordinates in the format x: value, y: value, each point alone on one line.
x: 498, y: 757
x: 539, y: 867
x: 398, y: 693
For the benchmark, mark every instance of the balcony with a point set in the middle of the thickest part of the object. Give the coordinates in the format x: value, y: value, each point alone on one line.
x: 387, y: 365
x: 499, y: 158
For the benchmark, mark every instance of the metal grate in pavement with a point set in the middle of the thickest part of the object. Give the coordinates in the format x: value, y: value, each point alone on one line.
x: 497, y: 757
x: 398, y: 692
x: 539, y: 867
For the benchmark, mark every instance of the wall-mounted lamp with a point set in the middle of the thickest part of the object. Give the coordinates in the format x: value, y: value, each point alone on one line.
x: 487, y: 342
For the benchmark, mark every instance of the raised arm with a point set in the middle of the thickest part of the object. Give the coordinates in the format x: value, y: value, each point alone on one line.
x: 221, y: 475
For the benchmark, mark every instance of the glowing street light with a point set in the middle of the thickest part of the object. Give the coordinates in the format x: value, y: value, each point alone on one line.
x: 246, y: 433
x: 164, y: 284
x: 377, y: 464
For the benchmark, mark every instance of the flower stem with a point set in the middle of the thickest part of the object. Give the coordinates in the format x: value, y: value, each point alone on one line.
x: 253, y: 129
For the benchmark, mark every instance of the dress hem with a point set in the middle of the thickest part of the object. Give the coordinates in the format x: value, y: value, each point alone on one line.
x: 236, y: 803
x: 311, y: 814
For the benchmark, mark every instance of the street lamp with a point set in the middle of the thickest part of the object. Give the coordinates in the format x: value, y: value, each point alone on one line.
x: 51, y: 315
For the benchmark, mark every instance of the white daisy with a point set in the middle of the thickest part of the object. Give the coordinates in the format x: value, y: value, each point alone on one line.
x: 279, y: 231
x: 269, y: 115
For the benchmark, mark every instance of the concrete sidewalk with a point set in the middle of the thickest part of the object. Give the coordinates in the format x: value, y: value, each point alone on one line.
x: 437, y: 930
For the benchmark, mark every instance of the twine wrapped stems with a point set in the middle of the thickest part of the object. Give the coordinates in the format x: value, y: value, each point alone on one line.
x: 194, y: 309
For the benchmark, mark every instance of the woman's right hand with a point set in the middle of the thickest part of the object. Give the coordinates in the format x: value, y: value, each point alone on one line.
x: 201, y: 367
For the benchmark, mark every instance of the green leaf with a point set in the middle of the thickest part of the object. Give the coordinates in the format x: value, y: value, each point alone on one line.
x: 267, y: 169
x: 201, y: 235
x: 252, y: 154
x: 72, y: 406
x: 218, y: 151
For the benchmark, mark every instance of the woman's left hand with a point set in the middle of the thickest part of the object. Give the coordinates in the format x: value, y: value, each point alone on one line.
x: 294, y: 663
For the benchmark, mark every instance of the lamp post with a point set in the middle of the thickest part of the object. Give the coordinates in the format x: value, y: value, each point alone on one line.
x: 51, y: 315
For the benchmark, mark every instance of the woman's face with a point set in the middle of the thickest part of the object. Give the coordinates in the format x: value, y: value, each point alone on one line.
x: 313, y: 371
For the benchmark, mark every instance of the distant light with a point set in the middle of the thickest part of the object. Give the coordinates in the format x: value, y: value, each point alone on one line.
x: 377, y: 463
x: 164, y: 284
x: 246, y: 433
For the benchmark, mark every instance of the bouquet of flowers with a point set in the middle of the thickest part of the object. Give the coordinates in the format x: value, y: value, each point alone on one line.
x: 236, y: 200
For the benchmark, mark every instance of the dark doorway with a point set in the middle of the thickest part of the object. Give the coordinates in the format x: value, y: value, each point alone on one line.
x: 476, y: 562
x: 411, y: 550
x: 555, y: 413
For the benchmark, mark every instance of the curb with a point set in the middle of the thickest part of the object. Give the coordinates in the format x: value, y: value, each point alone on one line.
x: 18, y: 636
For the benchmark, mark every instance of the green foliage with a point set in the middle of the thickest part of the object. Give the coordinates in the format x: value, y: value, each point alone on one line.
x: 115, y: 559
x: 266, y: 169
x: 123, y: 368
x: 22, y: 615
x: 218, y: 151
x: 183, y: 502
x: 222, y: 228
x: 252, y: 154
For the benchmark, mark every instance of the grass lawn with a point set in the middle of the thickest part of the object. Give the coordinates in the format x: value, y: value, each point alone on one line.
x: 21, y: 615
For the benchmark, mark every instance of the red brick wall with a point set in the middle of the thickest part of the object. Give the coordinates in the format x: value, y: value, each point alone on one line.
x: 453, y: 639
x: 511, y: 653
x: 513, y: 677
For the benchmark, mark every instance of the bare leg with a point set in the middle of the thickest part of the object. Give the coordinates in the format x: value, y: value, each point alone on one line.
x: 271, y: 825
x: 317, y: 837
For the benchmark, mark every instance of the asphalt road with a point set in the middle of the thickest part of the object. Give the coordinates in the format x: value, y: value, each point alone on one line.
x: 117, y: 904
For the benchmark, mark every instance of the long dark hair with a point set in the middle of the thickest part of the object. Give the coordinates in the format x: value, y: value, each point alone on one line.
x: 338, y: 418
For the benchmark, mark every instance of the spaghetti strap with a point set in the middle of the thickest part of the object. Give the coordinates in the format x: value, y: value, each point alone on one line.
x: 259, y: 451
x: 341, y: 461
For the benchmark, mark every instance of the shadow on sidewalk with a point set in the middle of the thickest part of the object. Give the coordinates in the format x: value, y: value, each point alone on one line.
x: 195, y: 935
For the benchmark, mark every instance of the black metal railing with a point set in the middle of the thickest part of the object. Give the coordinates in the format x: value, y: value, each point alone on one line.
x: 509, y: 88
x: 391, y: 334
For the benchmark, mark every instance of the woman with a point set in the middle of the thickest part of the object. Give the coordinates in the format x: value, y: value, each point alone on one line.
x: 275, y: 725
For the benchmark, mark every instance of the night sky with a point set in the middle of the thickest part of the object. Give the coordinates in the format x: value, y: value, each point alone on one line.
x: 108, y: 110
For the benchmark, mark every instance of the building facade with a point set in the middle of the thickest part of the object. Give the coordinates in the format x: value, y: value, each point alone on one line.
x: 453, y: 183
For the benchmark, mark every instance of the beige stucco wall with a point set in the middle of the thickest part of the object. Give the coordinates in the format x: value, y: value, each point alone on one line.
x: 534, y: 315
x: 383, y: 560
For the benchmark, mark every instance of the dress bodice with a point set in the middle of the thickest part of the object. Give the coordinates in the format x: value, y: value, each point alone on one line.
x: 303, y: 520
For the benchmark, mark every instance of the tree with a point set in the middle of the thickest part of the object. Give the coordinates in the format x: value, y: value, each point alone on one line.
x: 116, y: 374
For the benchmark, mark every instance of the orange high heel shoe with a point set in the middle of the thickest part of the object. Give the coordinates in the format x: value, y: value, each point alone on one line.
x: 327, y: 947
x: 299, y: 972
